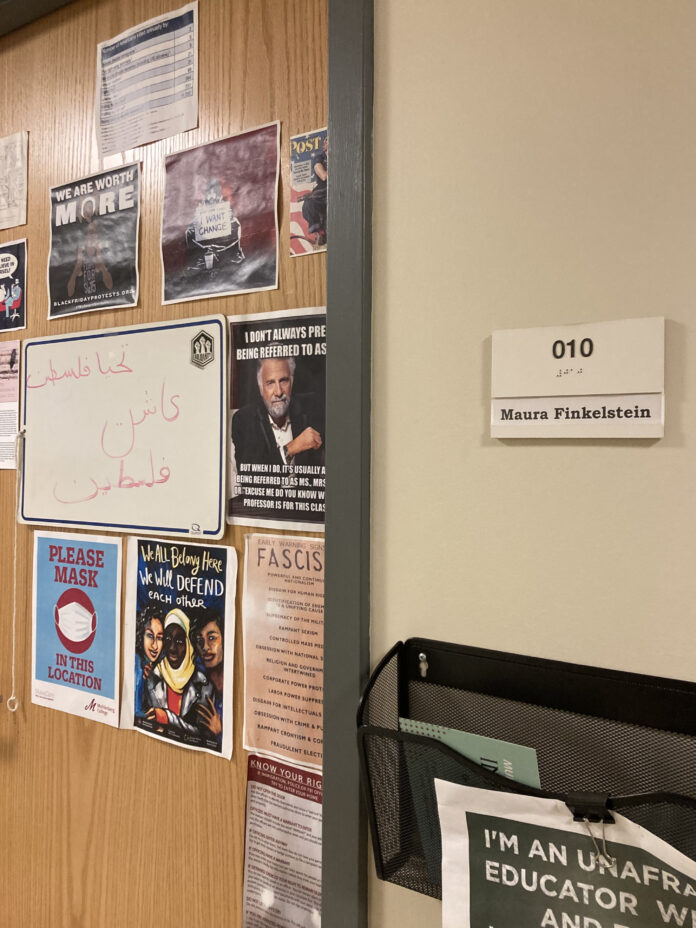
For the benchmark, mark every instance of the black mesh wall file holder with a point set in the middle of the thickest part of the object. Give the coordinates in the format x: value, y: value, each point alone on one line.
x: 627, y: 737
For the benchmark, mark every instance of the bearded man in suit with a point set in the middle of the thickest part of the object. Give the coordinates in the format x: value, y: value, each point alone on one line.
x: 279, y: 427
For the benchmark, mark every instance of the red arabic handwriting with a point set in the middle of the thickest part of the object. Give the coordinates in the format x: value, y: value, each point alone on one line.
x: 122, y: 433
x: 80, y: 370
x: 92, y: 488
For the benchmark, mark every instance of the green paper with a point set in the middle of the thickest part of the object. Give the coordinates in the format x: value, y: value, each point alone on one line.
x: 513, y: 761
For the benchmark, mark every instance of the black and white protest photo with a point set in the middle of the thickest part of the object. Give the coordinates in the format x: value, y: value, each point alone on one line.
x: 93, y: 262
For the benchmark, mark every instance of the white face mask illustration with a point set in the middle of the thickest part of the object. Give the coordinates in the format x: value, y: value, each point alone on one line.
x: 75, y: 622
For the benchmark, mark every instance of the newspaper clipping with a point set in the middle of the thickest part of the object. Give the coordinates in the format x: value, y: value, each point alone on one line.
x: 220, y: 217
x: 13, y: 180
x: 509, y: 859
x: 282, y: 849
x: 9, y: 402
x: 93, y: 262
x: 309, y: 174
x: 147, y: 82
x: 277, y: 472
x: 179, y: 621
x: 283, y: 614
x: 13, y: 286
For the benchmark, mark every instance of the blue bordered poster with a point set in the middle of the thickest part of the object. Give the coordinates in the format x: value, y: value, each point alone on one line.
x: 76, y: 628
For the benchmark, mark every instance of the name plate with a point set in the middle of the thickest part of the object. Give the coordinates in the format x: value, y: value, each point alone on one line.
x: 596, y: 380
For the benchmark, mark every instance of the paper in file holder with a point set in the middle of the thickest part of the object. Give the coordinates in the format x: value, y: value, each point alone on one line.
x: 605, y: 740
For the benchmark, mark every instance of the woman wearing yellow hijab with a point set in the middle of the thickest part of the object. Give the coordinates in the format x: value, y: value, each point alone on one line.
x: 175, y: 688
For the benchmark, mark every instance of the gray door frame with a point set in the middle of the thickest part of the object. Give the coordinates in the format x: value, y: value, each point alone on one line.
x: 347, y: 590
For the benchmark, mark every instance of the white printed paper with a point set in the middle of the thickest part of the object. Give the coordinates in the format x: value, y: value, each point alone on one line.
x: 282, y: 857
x: 512, y: 860
x: 9, y: 402
x: 13, y: 180
x: 147, y: 82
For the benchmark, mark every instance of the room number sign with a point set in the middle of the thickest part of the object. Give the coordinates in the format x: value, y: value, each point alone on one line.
x: 595, y: 380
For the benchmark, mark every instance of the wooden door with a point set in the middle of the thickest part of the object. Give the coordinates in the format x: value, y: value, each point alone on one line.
x: 101, y: 827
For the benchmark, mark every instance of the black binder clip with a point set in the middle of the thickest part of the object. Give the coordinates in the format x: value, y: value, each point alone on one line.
x: 593, y: 808
x: 590, y: 807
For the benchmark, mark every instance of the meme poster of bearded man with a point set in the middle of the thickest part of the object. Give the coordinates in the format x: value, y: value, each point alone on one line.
x: 277, y: 466
x: 93, y: 262
x: 220, y: 217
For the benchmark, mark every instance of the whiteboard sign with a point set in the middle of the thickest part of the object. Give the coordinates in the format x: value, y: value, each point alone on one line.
x: 596, y: 380
x: 126, y: 429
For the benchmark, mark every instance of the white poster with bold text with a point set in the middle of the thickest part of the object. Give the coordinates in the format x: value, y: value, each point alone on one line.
x: 512, y: 860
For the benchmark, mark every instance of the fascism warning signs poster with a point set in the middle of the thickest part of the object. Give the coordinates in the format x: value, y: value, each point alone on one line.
x: 283, y: 614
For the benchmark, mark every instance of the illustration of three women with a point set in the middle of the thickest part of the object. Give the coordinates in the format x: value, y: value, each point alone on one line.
x: 180, y: 686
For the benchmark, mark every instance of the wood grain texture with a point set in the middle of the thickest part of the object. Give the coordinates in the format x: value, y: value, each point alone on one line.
x: 100, y: 827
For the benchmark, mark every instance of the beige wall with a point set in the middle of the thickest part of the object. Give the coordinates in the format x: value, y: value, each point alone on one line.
x: 535, y: 163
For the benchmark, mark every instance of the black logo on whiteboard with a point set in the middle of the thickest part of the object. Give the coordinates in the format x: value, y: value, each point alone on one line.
x: 202, y: 349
